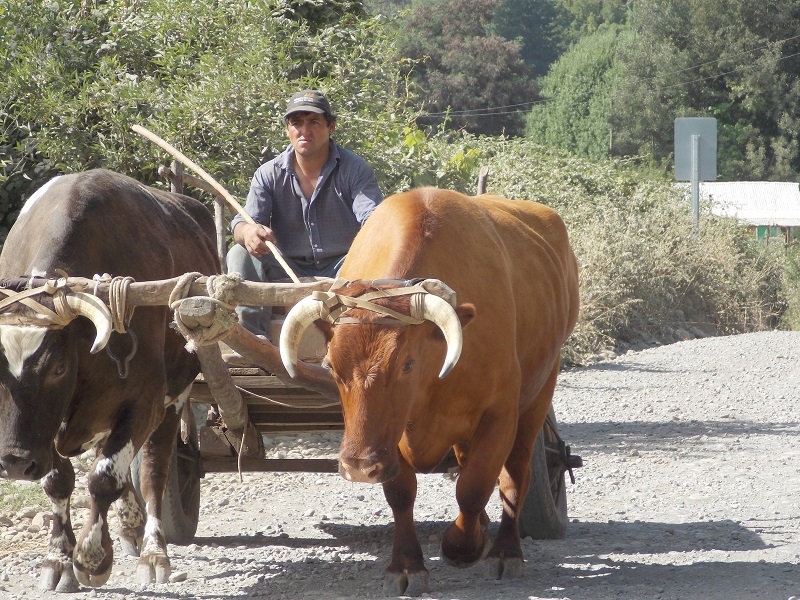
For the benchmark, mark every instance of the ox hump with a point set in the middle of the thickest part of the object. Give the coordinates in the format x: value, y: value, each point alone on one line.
x: 18, y: 343
x: 37, y: 194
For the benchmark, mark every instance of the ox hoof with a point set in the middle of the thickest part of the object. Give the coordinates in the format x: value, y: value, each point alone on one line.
x: 131, y: 542
x: 153, y: 569
x: 92, y: 580
x: 58, y: 576
x: 406, y: 584
x: 503, y: 568
x: 456, y: 556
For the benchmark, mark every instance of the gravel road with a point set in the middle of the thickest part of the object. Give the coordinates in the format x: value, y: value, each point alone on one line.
x: 689, y: 491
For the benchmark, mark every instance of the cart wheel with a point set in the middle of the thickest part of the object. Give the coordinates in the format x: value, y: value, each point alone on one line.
x: 544, y: 513
x: 180, y: 508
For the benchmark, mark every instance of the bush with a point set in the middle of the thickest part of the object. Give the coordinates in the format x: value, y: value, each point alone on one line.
x: 212, y: 79
x: 644, y: 278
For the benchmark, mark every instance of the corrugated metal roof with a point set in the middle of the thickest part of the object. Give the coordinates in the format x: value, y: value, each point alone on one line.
x: 755, y: 202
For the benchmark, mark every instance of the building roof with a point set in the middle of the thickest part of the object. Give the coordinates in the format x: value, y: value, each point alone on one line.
x: 754, y: 202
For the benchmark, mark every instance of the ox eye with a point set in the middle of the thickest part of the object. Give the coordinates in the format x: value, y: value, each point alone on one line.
x: 408, y: 366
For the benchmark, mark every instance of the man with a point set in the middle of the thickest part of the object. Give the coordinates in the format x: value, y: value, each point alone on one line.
x: 310, y: 201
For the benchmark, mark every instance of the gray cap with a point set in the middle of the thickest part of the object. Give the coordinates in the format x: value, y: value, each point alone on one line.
x: 308, y: 101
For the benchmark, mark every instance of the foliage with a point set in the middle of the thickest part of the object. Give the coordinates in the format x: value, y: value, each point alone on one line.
x: 580, y: 89
x: 790, y: 318
x: 736, y: 60
x: 16, y: 495
x: 77, y: 79
x: 21, y: 166
x: 540, y: 27
x: 211, y: 78
x: 644, y: 277
x: 464, y: 75
x: 587, y: 16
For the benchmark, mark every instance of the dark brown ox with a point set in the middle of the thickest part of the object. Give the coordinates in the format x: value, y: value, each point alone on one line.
x: 59, y: 399
x: 512, y: 268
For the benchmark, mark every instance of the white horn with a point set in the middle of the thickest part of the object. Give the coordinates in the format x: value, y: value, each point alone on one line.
x: 92, y: 308
x: 302, y: 315
x: 444, y: 316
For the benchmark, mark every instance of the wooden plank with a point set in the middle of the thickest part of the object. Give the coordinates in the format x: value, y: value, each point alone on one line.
x: 304, y: 465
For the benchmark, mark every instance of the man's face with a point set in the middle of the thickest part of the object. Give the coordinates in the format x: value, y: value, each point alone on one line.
x: 309, y: 133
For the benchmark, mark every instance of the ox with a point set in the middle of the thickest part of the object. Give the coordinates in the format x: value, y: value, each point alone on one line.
x: 59, y: 396
x: 511, y: 265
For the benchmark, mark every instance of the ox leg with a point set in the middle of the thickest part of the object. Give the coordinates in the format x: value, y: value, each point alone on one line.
x: 154, y: 565
x: 406, y: 575
x: 58, y: 484
x: 505, y: 560
x: 94, y: 553
x: 467, y: 540
x: 132, y: 518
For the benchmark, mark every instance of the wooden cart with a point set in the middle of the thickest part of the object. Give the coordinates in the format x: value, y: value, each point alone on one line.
x: 275, y: 404
x: 272, y: 402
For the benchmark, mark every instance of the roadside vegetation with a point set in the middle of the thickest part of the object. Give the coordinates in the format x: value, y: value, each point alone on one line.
x: 580, y: 121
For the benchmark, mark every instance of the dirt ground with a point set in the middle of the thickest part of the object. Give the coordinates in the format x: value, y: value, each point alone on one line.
x: 690, y: 490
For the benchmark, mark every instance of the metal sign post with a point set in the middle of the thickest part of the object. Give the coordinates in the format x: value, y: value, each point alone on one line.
x: 695, y: 157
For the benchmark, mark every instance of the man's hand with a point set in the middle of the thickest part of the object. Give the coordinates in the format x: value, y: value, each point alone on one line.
x: 253, y: 238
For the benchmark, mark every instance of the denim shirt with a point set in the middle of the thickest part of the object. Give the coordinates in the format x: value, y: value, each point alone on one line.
x: 316, y: 230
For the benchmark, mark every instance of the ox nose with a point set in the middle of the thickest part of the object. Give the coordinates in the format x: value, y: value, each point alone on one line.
x: 20, y: 467
x: 372, y: 469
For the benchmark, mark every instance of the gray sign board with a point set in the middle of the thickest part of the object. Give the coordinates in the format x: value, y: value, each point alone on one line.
x: 705, y: 128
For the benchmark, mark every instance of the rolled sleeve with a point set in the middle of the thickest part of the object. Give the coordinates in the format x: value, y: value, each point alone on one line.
x: 259, y: 198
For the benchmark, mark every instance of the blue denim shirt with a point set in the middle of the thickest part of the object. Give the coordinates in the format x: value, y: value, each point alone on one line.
x: 319, y: 229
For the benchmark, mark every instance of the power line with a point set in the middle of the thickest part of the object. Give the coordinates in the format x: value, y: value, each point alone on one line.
x: 502, y: 110
x: 744, y: 68
x: 711, y: 62
x: 497, y: 110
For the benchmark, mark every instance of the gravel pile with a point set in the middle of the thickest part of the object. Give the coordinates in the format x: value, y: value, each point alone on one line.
x: 690, y: 489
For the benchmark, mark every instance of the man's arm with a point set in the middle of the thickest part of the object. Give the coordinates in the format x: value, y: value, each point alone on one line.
x: 366, y: 192
x: 259, y: 207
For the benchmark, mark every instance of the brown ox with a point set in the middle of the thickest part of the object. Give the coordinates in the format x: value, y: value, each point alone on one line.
x: 60, y: 396
x: 512, y: 268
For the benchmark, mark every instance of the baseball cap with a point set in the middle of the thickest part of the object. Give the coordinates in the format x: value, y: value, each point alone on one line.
x: 308, y: 101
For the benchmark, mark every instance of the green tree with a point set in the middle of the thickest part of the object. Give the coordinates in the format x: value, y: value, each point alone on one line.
x: 465, y: 75
x: 588, y: 15
x: 210, y: 77
x: 579, y: 91
x: 540, y: 27
x: 736, y: 60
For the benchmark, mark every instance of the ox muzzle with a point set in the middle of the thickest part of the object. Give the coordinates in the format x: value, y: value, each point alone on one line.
x: 24, y: 465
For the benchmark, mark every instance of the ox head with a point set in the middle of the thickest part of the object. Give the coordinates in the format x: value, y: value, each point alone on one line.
x: 386, y: 342
x: 39, y: 351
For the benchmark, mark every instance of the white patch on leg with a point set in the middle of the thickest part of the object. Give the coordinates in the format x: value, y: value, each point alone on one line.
x: 37, y: 194
x: 19, y: 343
x: 153, y: 533
x: 91, y: 550
x: 117, y: 466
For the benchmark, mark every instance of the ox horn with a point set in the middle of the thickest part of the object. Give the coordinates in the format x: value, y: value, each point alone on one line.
x: 443, y: 315
x: 308, y: 310
x: 91, y: 307
x: 298, y: 319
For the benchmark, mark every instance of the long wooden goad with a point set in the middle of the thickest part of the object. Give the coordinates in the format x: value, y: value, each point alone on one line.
x: 221, y: 191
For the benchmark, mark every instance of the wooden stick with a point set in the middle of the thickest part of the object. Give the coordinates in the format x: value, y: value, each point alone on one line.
x: 221, y: 191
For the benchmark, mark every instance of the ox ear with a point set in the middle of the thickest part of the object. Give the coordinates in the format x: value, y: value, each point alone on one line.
x: 465, y: 312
